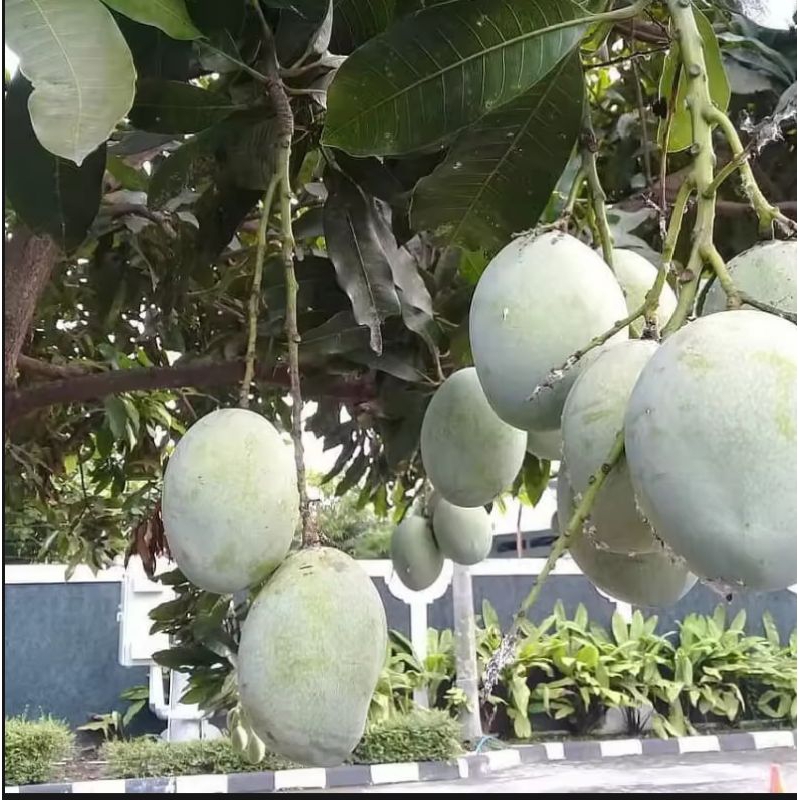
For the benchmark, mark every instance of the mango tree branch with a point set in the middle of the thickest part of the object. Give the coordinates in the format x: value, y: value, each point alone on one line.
x: 201, y: 374
x: 712, y: 256
x: 505, y: 652
x: 596, y: 192
x: 700, y: 106
x: 283, y: 148
x: 29, y: 261
x: 766, y: 212
x: 255, y: 295
x: 667, y: 252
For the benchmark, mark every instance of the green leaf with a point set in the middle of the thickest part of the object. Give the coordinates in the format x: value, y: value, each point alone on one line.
x: 520, y: 694
x: 340, y: 334
x: 619, y: 628
x: 357, y: 21
x: 589, y: 655
x: 581, y: 617
x: 192, y: 162
x: 80, y: 67
x: 683, y: 670
x: 169, y: 16
x: 49, y: 194
x: 738, y: 622
x: 175, y: 107
x: 500, y: 172
x: 680, y: 135
x: 416, y: 305
x: 303, y: 37
x: 718, y: 619
x: 362, y: 265
x: 489, y: 615
x: 130, y: 178
x: 770, y: 629
x: 116, y: 415
x: 437, y: 71
x: 522, y: 724
x: 535, y: 477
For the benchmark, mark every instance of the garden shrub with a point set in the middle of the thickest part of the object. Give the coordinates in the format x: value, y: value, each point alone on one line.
x: 33, y: 749
x: 418, y: 736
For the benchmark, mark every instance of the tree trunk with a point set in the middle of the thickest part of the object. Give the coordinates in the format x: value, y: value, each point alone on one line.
x: 28, y: 264
x: 466, y: 651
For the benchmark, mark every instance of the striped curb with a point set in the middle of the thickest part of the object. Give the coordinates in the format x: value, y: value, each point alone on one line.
x: 470, y: 766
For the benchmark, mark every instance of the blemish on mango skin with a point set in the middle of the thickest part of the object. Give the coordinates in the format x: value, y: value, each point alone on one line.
x: 695, y: 361
x: 785, y: 381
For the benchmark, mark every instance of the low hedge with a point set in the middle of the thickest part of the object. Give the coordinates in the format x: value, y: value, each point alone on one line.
x: 418, y: 736
x: 153, y: 758
x: 33, y: 749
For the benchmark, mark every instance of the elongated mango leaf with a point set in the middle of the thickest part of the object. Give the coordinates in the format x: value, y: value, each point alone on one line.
x: 49, y: 194
x: 357, y: 21
x: 242, y: 143
x: 184, y: 168
x: 176, y: 107
x: 80, y: 67
x: 416, y: 305
x: 298, y: 36
x: 362, y: 266
x: 499, y: 173
x: 340, y: 334
x: 169, y: 16
x: 441, y: 69
x: 680, y: 134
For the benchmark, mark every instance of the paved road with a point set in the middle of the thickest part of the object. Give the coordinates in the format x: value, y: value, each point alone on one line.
x: 741, y: 772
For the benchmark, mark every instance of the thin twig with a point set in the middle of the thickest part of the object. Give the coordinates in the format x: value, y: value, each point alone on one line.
x: 766, y: 212
x: 255, y: 295
x: 254, y: 73
x: 711, y: 256
x: 596, y: 192
x: 698, y: 101
x: 648, y: 172
x: 632, y: 57
x: 285, y: 121
x: 506, y: 650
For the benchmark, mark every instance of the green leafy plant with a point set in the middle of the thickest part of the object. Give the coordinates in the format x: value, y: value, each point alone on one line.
x: 34, y: 748
x: 204, y: 630
x: 114, y: 725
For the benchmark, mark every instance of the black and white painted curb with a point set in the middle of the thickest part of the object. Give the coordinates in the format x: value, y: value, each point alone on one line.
x: 469, y: 766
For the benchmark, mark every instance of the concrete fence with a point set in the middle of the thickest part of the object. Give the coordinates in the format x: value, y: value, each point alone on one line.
x: 61, y: 637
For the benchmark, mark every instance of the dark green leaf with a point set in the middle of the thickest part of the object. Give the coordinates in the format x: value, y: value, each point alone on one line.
x: 362, y: 266
x: 356, y: 21
x: 169, y: 16
x: 441, y: 69
x: 416, y: 306
x: 499, y: 173
x: 175, y: 107
x: 49, y: 194
x: 178, y: 657
x: 301, y: 36
x: 248, y: 150
x: 340, y: 334
x: 353, y: 474
x: 211, y: 15
x: 157, y: 55
x: 183, y: 168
